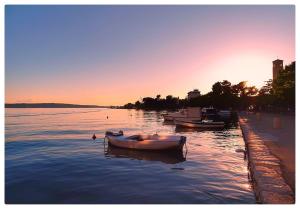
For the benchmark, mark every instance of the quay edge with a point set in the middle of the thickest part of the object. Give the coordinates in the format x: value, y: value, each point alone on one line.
x: 268, y: 183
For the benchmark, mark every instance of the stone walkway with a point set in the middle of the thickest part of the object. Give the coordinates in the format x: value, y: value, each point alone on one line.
x: 261, y: 132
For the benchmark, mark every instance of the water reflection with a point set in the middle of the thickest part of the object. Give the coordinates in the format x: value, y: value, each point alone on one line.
x: 165, y: 157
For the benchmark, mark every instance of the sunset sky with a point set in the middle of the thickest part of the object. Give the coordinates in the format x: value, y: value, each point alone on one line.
x: 112, y: 55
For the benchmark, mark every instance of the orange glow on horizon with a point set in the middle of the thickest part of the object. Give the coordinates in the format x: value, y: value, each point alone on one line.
x: 251, y: 67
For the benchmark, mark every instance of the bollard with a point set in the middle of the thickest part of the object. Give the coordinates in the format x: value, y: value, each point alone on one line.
x: 276, y: 122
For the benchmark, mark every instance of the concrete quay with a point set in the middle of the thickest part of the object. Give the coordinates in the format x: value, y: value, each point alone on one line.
x: 272, y: 172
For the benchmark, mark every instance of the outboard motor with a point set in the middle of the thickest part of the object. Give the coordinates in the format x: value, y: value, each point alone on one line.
x: 182, y: 143
x: 108, y: 133
x: 182, y: 140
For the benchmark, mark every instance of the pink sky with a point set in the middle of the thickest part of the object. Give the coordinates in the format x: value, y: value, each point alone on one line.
x: 139, y: 54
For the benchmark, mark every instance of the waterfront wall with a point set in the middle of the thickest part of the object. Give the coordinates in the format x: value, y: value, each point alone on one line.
x: 269, y: 185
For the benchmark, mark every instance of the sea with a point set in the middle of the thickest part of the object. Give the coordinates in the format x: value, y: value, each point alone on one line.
x: 51, y: 158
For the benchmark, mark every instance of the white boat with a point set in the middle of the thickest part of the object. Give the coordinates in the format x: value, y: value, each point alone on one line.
x: 193, y: 113
x: 199, y: 123
x: 170, y: 116
x: 225, y: 114
x: 146, y: 142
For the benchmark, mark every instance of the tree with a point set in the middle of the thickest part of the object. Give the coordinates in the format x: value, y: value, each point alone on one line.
x: 171, y: 102
x: 222, y: 95
x: 265, y: 98
x: 137, y: 104
x: 267, y: 89
x: 278, y: 93
x: 129, y: 106
x: 217, y: 89
x: 251, y: 91
x: 226, y: 87
x: 284, y: 86
x: 239, y: 89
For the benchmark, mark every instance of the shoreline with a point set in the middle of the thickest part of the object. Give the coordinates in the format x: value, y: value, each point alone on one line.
x: 266, y: 169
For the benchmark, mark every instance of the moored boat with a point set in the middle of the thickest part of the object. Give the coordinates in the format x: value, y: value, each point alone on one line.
x: 170, y: 116
x: 199, y: 123
x: 193, y: 113
x: 225, y: 114
x: 146, y: 142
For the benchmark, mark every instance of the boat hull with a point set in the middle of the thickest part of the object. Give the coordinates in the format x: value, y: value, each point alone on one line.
x: 173, y: 118
x: 193, y: 124
x: 189, y: 113
x: 148, y: 143
x: 169, y: 157
x: 168, y: 117
x: 186, y: 118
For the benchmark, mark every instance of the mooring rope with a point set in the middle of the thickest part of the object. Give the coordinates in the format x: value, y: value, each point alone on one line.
x: 186, y: 150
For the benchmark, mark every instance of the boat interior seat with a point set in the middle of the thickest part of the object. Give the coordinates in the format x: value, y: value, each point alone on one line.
x: 136, y: 137
x: 120, y: 133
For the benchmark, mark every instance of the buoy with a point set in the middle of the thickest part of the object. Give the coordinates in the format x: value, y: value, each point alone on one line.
x: 94, y: 137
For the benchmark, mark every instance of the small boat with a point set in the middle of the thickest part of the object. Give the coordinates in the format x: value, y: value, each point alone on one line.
x: 146, y: 142
x: 200, y: 123
x: 210, y: 113
x: 170, y: 116
x: 167, y: 117
x: 193, y: 113
x: 224, y: 113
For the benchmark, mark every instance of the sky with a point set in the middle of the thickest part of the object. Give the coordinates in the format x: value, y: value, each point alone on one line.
x: 112, y: 55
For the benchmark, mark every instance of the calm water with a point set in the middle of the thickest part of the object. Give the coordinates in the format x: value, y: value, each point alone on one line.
x: 50, y: 158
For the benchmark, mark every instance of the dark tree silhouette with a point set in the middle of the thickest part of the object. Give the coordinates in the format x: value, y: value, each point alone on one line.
x: 274, y: 95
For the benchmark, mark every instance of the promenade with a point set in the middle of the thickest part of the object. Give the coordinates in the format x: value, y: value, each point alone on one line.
x: 270, y: 140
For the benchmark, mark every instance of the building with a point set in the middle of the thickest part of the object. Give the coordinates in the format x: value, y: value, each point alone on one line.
x: 277, y: 66
x: 193, y: 94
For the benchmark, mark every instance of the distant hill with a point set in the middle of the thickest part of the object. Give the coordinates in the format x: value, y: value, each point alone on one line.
x: 51, y: 105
